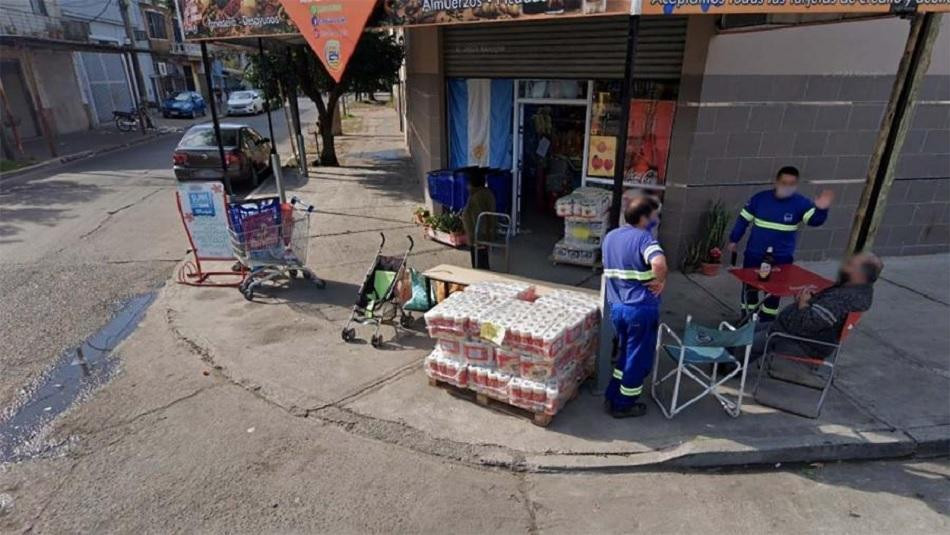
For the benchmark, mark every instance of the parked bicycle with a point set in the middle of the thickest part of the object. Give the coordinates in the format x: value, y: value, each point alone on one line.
x: 126, y: 121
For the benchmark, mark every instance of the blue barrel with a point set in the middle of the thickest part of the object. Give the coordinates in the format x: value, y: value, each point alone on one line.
x: 440, y: 186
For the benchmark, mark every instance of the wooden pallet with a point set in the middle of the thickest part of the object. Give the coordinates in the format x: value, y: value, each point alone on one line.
x: 537, y: 418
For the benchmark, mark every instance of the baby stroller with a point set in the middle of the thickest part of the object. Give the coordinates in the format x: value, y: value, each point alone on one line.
x: 376, y: 302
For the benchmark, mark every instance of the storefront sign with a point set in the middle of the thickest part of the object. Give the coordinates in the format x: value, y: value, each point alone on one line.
x: 232, y: 19
x: 601, y: 156
x: 201, y: 205
x: 721, y: 7
x: 331, y: 27
x: 417, y: 12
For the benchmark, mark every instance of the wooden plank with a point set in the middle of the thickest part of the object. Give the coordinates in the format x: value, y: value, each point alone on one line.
x: 464, y: 276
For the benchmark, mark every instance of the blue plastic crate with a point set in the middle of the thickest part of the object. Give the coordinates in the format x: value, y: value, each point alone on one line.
x: 440, y: 186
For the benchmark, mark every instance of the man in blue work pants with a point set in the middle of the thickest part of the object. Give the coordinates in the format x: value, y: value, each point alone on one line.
x: 635, y: 272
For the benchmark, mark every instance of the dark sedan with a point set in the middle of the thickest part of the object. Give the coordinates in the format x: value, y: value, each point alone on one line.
x: 246, y: 152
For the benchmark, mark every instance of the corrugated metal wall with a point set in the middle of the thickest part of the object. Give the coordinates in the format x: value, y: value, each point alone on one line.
x: 585, y: 48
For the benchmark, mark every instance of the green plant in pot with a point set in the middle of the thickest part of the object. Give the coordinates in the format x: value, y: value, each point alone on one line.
x: 705, y: 254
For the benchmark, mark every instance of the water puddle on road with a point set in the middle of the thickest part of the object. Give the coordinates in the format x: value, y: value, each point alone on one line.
x: 77, y: 373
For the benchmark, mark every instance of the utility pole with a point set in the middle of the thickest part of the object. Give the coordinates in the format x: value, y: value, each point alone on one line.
x: 913, y: 65
x: 139, y: 79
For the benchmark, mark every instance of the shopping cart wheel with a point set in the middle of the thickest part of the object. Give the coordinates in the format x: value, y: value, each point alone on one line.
x: 292, y: 273
x: 349, y: 335
x: 248, y: 293
x: 376, y: 340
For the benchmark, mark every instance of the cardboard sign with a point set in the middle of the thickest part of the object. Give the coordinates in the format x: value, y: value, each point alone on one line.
x: 201, y: 205
x: 331, y: 27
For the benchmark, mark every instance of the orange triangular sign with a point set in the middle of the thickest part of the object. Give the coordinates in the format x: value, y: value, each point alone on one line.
x: 331, y: 27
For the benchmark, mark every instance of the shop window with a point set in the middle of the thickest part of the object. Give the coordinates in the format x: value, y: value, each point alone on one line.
x: 156, y: 25
x: 553, y: 89
x: 649, y: 130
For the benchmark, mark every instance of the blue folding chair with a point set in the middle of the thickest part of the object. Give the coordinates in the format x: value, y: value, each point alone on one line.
x: 702, y: 347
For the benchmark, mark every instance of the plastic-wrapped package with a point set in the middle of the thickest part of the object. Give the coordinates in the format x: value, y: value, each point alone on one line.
x: 446, y: 369
x: 573, y: 253
x: 489, y: 381
x: 478, y: 352
x: 508, y: 360
x: 503, y: 289
x: 450, y: 347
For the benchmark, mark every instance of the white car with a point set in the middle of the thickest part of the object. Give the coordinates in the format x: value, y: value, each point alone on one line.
x: 248, y: 101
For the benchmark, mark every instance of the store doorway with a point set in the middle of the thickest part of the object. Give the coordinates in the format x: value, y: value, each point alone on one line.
x: 551, y: 138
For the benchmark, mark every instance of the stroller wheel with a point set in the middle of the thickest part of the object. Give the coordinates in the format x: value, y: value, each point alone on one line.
x: 376, y: 340
x: 406, y: 320
x: 248, y: 292
x: 348, y: 335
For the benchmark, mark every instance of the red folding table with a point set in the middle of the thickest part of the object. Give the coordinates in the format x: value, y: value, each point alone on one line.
x: 785, y: 281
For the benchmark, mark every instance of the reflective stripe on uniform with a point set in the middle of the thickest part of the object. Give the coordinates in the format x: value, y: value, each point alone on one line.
x: 630, y: 392
x: 650, y: 250
x: 747, y: 215
x: 774, y: 226
x: 749, y: 306
x: 628, y: 274
x: 808, y: 214
x: 618, y: 374
x: 770, y: 310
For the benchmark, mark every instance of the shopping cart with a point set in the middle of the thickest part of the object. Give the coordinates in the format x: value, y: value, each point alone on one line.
x: 376, y: 302
x: 271, y: 240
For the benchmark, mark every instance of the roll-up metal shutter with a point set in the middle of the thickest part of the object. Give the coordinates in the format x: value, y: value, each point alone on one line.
x: 585, y: 48
x: 660, y: 45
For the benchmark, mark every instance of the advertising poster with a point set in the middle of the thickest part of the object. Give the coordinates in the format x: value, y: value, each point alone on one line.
x: 601, y: 156
x: 202, y: 209
x: 648, y: 141
x: 417, y: 12
x: 331, y: 27
x: 230, y: 19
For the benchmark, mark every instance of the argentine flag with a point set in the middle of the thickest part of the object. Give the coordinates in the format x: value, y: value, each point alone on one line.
x: 480, y: 131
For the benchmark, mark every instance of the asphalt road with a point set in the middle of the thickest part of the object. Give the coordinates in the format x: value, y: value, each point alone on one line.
x: 78, y: 240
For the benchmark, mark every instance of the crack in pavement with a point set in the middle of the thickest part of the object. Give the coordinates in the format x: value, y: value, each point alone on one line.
x: 531, y: 507
x: 110, y: 213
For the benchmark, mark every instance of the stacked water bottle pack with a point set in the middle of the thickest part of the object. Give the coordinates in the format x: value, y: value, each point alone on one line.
x: 501, y: 340
x: 585, y: 212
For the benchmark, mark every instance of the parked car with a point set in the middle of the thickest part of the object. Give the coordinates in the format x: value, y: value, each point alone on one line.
x: 184, y: 104
x: 246, y: 152
x: 249, y: 101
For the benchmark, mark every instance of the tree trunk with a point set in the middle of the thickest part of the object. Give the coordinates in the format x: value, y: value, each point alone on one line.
x: 328, y: 148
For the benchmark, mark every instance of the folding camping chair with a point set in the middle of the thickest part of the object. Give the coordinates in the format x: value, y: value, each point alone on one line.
x: 500, y: 237
x: 701, y: 347
x: 812, y: 364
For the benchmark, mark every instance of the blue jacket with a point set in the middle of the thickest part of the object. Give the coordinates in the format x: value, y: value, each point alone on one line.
x: 627, y: 252
x: 775, y: 223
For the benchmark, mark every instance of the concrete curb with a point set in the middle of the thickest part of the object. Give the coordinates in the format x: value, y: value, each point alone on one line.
x: 54, y: 163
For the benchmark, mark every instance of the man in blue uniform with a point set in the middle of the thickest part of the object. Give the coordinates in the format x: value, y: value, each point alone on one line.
x: 775, y: 216
x: 635, y: 272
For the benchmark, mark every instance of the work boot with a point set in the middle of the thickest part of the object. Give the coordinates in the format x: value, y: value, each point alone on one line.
x: 634, y: 411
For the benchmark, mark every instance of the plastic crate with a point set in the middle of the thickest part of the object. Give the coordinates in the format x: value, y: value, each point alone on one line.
x: 440, y: 184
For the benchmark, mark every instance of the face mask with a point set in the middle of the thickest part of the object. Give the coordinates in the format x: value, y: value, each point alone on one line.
x: 784, y: 192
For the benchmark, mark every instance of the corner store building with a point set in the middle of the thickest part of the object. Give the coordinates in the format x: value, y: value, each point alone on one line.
x: 752, y: 92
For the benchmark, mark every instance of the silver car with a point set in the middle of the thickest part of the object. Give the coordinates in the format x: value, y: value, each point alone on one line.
x: 247, y: 102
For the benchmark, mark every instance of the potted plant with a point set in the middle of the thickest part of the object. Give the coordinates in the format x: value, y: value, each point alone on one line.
x: 446, y: 228
x: 420, y: 215
x: 705, y: 254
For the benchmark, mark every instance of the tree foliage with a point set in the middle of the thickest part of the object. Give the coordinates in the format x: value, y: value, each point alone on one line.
x: 374, y: 66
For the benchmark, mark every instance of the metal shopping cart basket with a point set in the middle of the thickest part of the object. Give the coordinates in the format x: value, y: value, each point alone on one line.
x: 271, y: 240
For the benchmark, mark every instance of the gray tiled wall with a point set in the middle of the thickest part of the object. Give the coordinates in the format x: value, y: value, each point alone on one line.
x: 744, y: 128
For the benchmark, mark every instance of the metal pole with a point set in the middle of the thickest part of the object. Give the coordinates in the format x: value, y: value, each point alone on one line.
x: 910, y: 72
x: 274, y: 157
x: 605, y: 351
x: 136, y: 68
x: 206, y: 61
x: 625, y: 95
x: 295, y: 118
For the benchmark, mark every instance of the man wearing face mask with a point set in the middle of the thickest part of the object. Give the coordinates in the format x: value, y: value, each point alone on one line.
x: 821, y: 316
x: 635, y: 273
x: 775, y: 216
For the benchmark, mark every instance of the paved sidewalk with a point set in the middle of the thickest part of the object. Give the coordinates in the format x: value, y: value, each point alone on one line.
x: 892, y: 397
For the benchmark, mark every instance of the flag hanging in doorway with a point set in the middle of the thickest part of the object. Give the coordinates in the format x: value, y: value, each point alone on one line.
x: 480, y: 129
